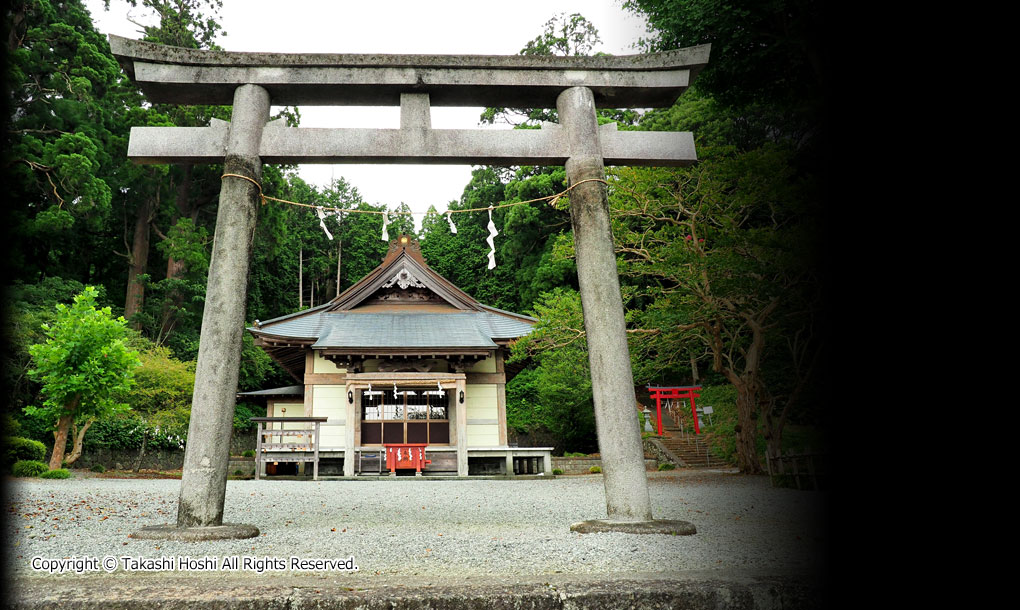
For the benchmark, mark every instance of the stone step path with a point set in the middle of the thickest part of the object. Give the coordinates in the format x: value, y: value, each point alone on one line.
x: 688, y: 449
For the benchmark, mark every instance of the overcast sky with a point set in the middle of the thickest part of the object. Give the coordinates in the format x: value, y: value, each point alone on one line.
x: 392, y: 26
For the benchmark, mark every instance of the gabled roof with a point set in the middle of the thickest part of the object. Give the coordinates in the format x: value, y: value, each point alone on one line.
x: 347, y: 324
x: 404, y: 255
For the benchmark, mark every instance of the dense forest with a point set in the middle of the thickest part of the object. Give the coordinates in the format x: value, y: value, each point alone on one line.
x: 719, y: 262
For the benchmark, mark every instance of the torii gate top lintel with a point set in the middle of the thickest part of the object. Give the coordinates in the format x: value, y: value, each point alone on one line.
x: 414, y: 82
x: 176, y: 75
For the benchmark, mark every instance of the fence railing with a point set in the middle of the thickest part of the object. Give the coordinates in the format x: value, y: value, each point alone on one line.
x: 801, y: 467
x: 272, y: 437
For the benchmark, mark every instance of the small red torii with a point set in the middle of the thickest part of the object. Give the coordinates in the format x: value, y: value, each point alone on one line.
x: 687, y: 392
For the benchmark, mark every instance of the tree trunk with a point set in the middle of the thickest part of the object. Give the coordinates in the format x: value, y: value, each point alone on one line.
x: 79, y: 437
x: 141, y: 452
x: 174, y: 268
x: 60, y: 440
x: 135, y: 296
x: 17, y: 19
x: 773, y: 435
x: 746, y: 429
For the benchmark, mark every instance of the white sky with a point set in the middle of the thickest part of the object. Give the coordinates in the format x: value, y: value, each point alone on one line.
x: 458, y: 27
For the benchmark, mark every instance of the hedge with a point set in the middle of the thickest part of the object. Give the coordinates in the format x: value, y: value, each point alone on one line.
x: 29, y: 468
x: 59, y: 473
x: 18, y: 449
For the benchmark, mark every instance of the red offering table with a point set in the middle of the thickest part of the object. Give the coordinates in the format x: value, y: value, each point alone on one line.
x: 407, y: 455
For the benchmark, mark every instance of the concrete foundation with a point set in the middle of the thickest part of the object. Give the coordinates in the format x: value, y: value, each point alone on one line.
x: 226, y: 531
x: 669, y: 527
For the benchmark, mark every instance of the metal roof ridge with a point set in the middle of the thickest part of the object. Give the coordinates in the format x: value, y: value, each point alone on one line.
x: 505, y: 312
x: 288, y: 316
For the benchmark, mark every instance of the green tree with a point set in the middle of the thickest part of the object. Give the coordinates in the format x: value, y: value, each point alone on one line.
x: 84, y: 366
x: 762, y: 52
x: 719, y: 262
x: 555, y: 395
x: 62, y: 141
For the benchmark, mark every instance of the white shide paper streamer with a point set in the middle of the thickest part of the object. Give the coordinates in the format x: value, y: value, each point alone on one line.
x: 491, y: 240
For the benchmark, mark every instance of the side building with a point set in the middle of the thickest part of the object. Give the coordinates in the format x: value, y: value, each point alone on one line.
x: 401, y: 357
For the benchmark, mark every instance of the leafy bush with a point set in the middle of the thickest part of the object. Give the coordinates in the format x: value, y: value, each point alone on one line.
x: 162, y: 383
x: 666, y: 466
x: 18, y: 449
x: 249, y: 453
x: 10, y: 426
x: 98, y: 468
x: 161, y: 430
x: 243, y: 412
x: 595, y: 470
x: 238, y: 473
x: 574, y: 454
x: 557, y: 471
x: 555, y: 394
x: 59, y: 473
x: 29, y: 468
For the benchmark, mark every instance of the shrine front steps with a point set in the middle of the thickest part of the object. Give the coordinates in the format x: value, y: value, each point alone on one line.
x: 688, y: 450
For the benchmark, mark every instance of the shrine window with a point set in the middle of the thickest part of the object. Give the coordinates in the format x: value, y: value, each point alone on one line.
x: 407, y: 415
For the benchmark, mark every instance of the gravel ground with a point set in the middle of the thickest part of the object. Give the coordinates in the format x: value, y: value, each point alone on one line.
x: 418, y: 528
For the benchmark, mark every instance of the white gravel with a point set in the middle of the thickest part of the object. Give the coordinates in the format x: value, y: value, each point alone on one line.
x: 421, y: 527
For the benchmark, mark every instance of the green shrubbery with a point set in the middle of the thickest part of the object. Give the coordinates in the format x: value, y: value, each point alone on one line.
x: 243, y: 412
x: 59, y: 473
x: 666, y: 466
x: 17, y: 449
x: 98, y: 468
x: 248, y: 453
x: 557, y: 471
x: 163, y: 430
x: 595, y: 470
x: 29, y: 468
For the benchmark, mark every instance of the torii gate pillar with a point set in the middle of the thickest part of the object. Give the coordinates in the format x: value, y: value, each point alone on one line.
x: 612, y: 381
x: 204, y: 480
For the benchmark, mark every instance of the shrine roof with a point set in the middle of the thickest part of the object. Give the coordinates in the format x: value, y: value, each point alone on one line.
x: 290, y: 390
x: 357, y: 319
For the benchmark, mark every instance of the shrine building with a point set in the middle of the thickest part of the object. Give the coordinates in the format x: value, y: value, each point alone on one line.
x: 402, y: 358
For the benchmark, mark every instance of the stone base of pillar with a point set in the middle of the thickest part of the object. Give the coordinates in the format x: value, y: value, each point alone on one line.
x: 227, y: 531
x: 656, y: 526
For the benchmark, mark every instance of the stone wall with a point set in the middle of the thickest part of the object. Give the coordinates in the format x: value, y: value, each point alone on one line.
x: 570, y: 465
x: 161, y: 459
x: 655, y: 447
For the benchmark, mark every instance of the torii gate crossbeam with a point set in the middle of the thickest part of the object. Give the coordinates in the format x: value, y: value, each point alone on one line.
x: 253, y: 81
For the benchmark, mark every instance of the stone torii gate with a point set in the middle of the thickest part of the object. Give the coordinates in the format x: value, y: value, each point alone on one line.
x: 575, y: 86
